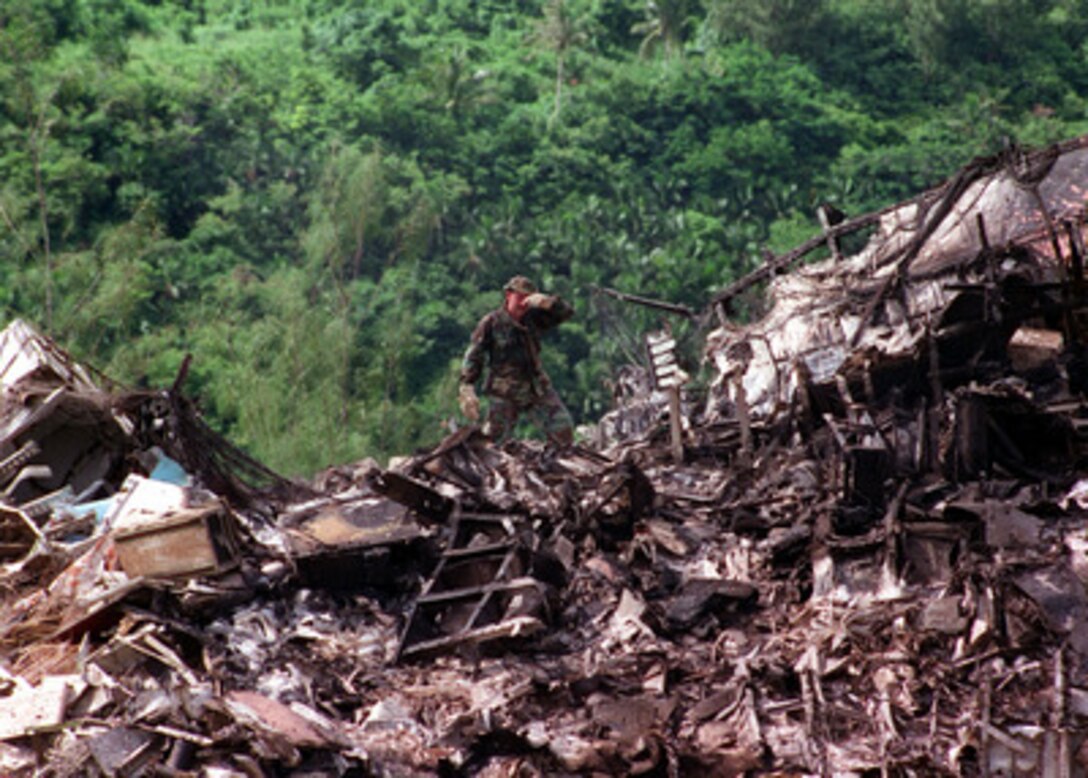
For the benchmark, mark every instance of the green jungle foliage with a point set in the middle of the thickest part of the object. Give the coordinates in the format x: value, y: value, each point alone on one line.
x: 319, y: 198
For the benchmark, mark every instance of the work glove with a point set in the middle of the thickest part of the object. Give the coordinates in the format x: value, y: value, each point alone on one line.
x: 470, y: 403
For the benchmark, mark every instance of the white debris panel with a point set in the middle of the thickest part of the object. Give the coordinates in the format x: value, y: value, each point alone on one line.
x: 884, y: 299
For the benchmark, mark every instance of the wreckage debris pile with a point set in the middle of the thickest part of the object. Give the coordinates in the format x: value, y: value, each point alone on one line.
x: 871, y: 558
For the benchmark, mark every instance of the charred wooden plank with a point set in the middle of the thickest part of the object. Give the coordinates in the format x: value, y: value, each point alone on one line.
x: 415, y: 494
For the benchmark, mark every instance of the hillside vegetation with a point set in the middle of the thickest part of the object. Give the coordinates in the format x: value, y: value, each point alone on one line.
x: 319, y: 198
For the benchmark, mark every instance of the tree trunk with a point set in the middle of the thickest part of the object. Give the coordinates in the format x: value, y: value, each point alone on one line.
x: 37, y: 135
x: 558, y: 85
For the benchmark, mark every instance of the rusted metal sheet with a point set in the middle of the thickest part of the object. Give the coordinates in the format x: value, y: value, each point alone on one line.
x: 371, y: 542
x: 180, y: 543
x: 279, y: 720
x: 412, y: 493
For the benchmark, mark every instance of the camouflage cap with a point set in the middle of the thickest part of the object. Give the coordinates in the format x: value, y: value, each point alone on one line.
x: 520, y: 284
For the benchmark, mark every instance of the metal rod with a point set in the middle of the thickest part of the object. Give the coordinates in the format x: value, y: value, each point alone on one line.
x: 674, y: 424
x: 681, y: 310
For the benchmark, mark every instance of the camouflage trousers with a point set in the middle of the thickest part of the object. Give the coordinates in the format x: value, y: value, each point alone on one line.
x: 546, y: 411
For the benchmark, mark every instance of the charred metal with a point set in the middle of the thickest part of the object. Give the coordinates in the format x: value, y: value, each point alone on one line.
x: 862, y: 550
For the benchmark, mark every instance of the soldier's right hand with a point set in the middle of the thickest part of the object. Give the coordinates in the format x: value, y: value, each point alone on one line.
x: 470, y: 403
x: 540, y: 301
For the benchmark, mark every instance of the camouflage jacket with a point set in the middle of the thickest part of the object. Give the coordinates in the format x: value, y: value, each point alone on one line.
x: 511, y: 350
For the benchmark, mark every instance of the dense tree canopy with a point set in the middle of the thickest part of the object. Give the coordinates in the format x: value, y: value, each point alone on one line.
x: 319, y: 198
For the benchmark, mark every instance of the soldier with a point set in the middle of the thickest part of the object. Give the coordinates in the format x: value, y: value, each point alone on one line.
x: 507, y: 341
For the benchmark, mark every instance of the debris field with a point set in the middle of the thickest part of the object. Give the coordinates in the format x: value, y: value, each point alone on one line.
x: 861, y: 551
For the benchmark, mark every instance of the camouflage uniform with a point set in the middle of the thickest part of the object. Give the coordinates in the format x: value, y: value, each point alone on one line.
x: 516, y: 382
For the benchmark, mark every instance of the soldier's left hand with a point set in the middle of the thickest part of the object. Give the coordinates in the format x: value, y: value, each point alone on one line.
x: 469, y: 402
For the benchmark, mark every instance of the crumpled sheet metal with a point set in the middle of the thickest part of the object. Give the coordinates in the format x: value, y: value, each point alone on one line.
x: 809, y: 320
x: 59, y: 445
x: 25, y: 353
x: 808, y: 325
x: 1009, y: 198
x: 837, y: 685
